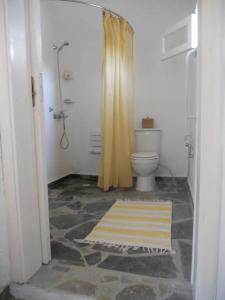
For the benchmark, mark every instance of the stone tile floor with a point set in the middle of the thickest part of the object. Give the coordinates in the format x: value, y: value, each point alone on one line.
x: 76, y: 205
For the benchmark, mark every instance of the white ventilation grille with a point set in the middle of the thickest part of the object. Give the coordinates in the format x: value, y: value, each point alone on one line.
x: 180, y: 37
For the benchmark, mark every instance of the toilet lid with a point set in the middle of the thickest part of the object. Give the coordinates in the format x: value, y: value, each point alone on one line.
x: 150, y: 155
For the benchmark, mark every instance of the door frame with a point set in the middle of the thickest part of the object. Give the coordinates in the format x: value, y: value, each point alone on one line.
x: 208, y: 271
x: 9, y: 147
x: 36, y: 62
x: 209, y: 11
x: 208, y: 219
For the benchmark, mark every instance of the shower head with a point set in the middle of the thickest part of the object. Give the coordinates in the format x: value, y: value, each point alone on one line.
x: 63, y: 45
x: 54, y: 47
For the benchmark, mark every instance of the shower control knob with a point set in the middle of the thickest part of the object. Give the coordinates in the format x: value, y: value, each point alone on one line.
x: 57, y: 116
x: 67, y: 75
x: 60, y: 115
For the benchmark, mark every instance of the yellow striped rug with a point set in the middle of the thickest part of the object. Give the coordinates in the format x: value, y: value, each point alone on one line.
x: 134, y: 224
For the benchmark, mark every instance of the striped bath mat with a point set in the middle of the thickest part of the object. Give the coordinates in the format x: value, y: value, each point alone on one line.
x: 135, y: 224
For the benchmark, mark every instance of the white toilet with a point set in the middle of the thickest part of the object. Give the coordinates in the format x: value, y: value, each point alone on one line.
x: 146, y: 158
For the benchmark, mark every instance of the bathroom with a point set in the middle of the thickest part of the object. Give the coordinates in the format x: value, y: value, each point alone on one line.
x: 164, y: 89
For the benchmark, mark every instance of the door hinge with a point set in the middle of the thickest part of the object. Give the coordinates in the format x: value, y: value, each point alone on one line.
x: 33, y: 92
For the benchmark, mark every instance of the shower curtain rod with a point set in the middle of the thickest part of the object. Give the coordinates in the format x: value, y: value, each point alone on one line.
x: 96, y: 6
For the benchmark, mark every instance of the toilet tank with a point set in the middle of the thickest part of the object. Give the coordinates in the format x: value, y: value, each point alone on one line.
x: 147, y: 140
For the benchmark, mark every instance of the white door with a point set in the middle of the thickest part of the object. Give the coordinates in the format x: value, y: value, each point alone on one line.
x: 24, y: 207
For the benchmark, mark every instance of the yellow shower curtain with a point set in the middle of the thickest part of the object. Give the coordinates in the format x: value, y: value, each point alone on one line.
x: 117, y: 104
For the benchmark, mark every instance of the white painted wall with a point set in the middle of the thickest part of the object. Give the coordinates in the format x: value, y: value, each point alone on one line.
x: 4, y: 242
x: 159, y: 86
x: 192, y: 119
x: 57, y: 159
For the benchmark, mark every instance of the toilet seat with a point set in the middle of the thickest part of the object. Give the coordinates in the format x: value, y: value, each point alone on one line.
x: 145, y: 155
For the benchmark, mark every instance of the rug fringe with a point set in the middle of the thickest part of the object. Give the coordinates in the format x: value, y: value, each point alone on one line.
x: 148, y: 201
x: 123, y: 248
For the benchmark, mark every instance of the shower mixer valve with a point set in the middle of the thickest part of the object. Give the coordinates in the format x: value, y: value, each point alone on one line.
x: 60, y: 115
x: 190, y: 149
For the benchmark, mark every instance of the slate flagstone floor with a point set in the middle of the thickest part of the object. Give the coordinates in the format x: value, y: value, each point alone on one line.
x: 76, y: 205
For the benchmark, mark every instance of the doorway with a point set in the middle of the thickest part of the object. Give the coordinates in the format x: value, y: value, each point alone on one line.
x: 207, y: 291
x: 76, y: 204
